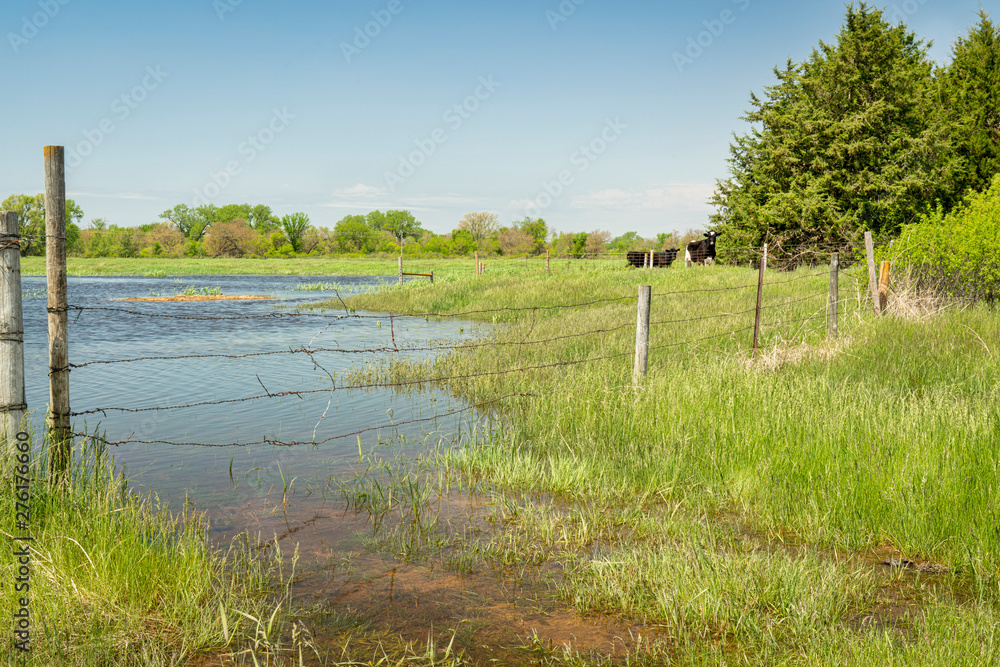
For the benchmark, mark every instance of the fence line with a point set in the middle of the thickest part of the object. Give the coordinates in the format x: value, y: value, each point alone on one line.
x: 433, y: 348
x: 381, y: 379
x: 421, y: 381
x: 293, y: 443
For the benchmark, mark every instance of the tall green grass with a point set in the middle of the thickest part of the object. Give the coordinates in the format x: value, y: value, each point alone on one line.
x: 117, y: 579
x: 881, y: 441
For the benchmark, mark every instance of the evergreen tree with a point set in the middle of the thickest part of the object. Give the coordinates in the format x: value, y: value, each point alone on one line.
x: 971, y: 103
x: 842, y: 143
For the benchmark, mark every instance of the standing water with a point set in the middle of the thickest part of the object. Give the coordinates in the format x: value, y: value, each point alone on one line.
x: 200, y: 473
x: 316, y: 499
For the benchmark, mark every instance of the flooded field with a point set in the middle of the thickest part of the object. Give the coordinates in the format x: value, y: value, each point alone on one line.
x: 376, y: 530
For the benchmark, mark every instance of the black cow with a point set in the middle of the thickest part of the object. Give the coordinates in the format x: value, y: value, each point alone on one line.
x: 703, y: 251
x: 639, y: 258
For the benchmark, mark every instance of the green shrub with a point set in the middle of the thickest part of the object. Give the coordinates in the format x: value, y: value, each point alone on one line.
x: 958, y: 252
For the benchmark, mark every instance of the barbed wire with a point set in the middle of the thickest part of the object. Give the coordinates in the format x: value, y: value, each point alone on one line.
x: 409, y: 383
x: 279, y: 315
x: 430, y: 348
x: 308, y: 350
x: 294, y: 443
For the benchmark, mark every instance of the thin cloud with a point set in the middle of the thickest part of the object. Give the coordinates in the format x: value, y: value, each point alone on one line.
x: 666, y: 198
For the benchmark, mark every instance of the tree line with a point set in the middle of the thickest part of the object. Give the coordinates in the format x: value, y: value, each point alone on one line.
x: 245, y: 230
x: 866, y: 134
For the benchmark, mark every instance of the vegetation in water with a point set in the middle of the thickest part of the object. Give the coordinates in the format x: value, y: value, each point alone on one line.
x: 829, y: 498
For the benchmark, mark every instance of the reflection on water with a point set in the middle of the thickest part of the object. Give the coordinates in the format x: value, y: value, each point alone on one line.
x: 201, y: 474
x: 296, y: 497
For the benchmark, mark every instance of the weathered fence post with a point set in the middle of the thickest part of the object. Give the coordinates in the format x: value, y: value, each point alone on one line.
x: 883, y: 287
x: 400, y: 269
x: 12, y: 402
x: 760, y: 295
x: 872, y: 286
x: 642, y: 333
x: 834, y: 292
x: 432, y: 276
x: 548, y: 267
x: 60, y: 435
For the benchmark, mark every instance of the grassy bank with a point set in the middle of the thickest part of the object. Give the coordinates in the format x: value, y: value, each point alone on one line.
x: 118, y: 580
x: 830, y: 501
x: 302, y: 266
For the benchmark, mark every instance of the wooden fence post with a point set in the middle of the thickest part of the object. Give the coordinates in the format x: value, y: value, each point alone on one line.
x: 883, y: 287
x: 872, y: 286
x: 760, y: 295
x: 548, y: 267
x: 834, y: 293
x: 432, y: 276
x: 12, y: 402
x: 642, y: 334
x: 400, y: 269
x: 60, y: 434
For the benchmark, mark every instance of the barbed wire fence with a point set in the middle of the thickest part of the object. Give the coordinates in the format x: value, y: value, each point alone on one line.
x: 809, y: 312
x: 778, y: 314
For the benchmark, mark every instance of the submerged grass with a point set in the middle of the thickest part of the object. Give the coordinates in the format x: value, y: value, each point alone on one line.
x: 116, y: 579
x: 739, y: 503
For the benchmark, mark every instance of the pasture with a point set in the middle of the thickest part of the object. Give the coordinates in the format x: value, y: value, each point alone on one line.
x: 831, y: 501
x: 823, y: 501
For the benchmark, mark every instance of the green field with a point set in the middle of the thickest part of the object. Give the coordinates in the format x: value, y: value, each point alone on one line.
x: 304, y: 266
x: 831, y: 501
x: 823, y: 501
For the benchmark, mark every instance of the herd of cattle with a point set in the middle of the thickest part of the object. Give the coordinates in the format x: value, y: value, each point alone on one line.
x: 697, y: 252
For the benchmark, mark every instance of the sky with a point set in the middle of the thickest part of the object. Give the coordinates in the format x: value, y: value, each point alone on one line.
x: 591, y: 114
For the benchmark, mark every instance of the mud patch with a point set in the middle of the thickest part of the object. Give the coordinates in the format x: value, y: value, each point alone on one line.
x: 489, y: 614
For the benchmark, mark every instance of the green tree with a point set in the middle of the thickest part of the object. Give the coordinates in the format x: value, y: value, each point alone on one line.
x: 845, y: 142
x: 262, y: 218
x: 624, y: 242
x: 462, y: 243
x: 353, y: 234
x: 295, y: 225
x: 30, y: 211
x: 183, y: 217
x: 398, y: 223
x: 537, y: 230
x: 231, y: 212
x: 970, y: 87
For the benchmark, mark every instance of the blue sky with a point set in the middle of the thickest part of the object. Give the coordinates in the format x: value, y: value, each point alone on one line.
x: 589, y: 113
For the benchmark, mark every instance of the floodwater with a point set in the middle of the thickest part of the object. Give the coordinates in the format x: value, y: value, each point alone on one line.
x: 200, y: 474
x: 290, y: 496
